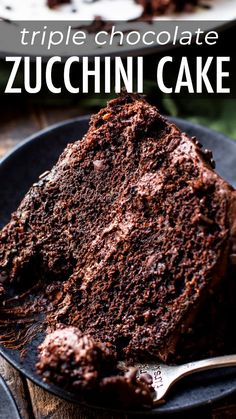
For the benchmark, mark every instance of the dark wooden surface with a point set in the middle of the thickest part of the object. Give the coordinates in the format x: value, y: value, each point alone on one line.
x: 16, y: 123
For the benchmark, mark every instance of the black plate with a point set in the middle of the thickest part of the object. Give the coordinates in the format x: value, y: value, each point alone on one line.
x: 23, y: 166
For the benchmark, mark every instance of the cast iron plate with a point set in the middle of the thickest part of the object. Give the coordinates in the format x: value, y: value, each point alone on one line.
x: 38, y: 153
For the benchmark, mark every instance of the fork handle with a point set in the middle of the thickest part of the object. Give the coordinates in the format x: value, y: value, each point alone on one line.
x: 206, y: 364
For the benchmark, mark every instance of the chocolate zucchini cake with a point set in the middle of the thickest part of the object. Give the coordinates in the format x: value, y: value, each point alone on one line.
x: 136, y: 230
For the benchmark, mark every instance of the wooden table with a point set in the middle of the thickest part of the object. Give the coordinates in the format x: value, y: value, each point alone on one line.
x: 16, y: 123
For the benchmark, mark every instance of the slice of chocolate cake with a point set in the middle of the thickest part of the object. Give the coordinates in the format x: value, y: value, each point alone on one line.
x: 136, y: 225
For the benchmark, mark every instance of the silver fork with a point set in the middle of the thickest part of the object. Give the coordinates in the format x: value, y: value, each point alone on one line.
x: 164, y: 376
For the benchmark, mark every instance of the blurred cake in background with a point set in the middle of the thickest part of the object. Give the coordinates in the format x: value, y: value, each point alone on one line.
x: 149, y: 6
x: 53, y: 3
x: 163, y: 6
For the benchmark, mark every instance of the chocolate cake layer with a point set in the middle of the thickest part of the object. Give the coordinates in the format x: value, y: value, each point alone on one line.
x: 136, y: 225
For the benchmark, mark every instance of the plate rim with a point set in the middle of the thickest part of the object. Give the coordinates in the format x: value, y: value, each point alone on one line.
x: 56, y: 390
x: 9, y: 394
